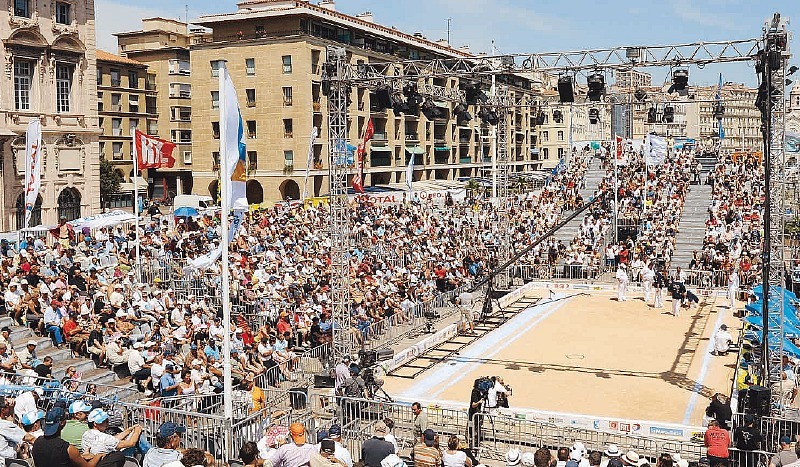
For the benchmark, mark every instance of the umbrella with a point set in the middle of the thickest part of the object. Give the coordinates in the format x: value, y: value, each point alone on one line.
x: 185, y: 211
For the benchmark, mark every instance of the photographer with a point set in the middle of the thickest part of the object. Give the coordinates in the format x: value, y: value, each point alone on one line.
x: 352, y: 388
x: 476, y: 401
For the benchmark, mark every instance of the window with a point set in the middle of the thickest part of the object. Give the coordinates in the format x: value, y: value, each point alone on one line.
x: 62, y: 13
x: 179, y: 67
x: 545, y: 136
x: 215, y: 130
x: 187, y: 157
x: 560, y: 153
x: 100, y: 102
x: 99, y: 75
x: 251, y: 128
x: 152, y: 127
x: 214, y: 99
x: 133, y: 125
x: 252, y: 160
x: 250, y: 65
x: 287, y: 127
x: 251, y: 97
x: 181, y: 136
x: 546, y: 153
x: 150, y: 104
x: 215, y: 66
x: 215, y: 160
x: 133, y: 79
x: 116, y: 102
x: 180, y: 114
x: 287, y: 63
x: 69, y: 204
x: 23, y: 74
x: 116, y: 127
x: 181, y: 90
x: 115, y: 81
x: 287, y: 95
x: 133, y: 103
x: 560, y: 135
x: 22, y: 8
x: 116, y: 151
x: 288, y: 158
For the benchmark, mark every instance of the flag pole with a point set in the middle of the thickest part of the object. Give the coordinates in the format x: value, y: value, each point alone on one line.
x: 136, y: 205
x: 616, y: 191
x: 224, y: 179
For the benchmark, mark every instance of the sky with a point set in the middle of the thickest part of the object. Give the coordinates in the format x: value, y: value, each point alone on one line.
x: 524, y: 26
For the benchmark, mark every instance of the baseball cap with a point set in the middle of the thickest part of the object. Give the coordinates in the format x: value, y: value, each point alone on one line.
x: 327, y: 446
x: 52, y: 421
x: 786, y: 440
x: 298, y: 433
x: 79, y: 406
x: 98, y: 416
x: 31, y: 342
x: 335, y: 431
x: 168, y: 429
x: 428, y: 436
x: 32, y: 417
x: 39, y: 392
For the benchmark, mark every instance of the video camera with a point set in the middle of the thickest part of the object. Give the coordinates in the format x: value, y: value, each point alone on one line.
x: 483, y: 384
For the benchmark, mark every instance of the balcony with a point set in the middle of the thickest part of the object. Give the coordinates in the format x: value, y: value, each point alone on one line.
x: 116, y: 108
x: 412, y: 137
x: 316, y: 107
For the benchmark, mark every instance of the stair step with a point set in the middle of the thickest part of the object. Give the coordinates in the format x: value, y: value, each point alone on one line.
x: 6, y: 321
x: 80, y: 364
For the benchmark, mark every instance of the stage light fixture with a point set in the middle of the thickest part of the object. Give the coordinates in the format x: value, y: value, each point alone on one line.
x: 669, y: 114
x: 792, y: 70
x: 565, y: 90
x: 430, y: 110
x: 473, y: 93
x: 719, y: 111
x: 489, y: 116
x: 541, y: 118
x: 594, y: 116
x: 640, y: 95
x: 597, y: 86
x: 652, y: 115
x: 462, y: 116
x: 410, y: 89
x: 383, y: 98
x: 558, y: 116
x: 680, y: 80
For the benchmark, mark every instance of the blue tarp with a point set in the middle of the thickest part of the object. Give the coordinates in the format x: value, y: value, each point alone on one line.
x: 774, y: 291
x: 788, y: 348
x: 789, y: 328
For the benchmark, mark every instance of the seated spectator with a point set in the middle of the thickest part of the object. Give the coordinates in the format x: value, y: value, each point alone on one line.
x: 96, y: 441
x: 51, y: 450
x: 168, y: 441
x: 74, y: 428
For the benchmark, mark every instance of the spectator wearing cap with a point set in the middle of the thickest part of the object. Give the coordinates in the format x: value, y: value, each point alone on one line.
x: 26, y: 402
x: 294, y: 454
x: 51, y: 449
x: 31, y: 423
x: 76, y: 426
x: 747, y: 438
x: 512, y: 457
x: 5, y: 335
x: 27, y: 356
x: 326, y: 455
x: 115, y: 353
x: 53, y: 322
x: 632, y: 459
x: 259, y: 400
x: 375, y: 449
x: 427, y: 453
x: 139, y: 369
x: 722, y: 340
x: 169, y: 385
x: 341, y: 453
x: 612, y: 452
x: 96, y: 441
x: 578, y: 453
x: 168, y: 442
x: 786, y: 455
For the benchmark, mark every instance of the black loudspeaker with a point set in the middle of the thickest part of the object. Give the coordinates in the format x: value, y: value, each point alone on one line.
x: 758, y: 401
x: 383, y: 98
x: 565, y: 92
x: 324, y: 381
x: 298, y: 398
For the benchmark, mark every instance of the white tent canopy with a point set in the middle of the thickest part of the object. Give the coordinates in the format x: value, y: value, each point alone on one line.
x: 108, y: 219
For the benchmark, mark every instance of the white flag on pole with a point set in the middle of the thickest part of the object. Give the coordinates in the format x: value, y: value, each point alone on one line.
x: 232, y: 143
x: 309, y: 160
x: 410, y: 174
x: 33, y: 166
x: 655, y: 150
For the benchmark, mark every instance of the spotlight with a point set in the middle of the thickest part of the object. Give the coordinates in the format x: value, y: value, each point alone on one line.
x: 792, y: 70
x: 788, y: 81
x: 597, y: 86
x: 541, y: 118
x: 430, y: 110
x: 565, y: 91
x: 594, y: 116
x: 763, y: 95
x: 474, y: 94
x: 558, y: 117
x: 412, y: 105
x: 652, y: 115
x: 328, y: 72
x: 680, y: 79
x: 640, y: 95
x: 410, y: 89
x: 462, y: 116
x: 383, y: 98
x: 489, y: 116
x: 669, y: 114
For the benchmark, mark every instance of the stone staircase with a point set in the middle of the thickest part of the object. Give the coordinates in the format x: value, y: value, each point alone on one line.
x: 109, y: 384
x: 593, y: 177
x: 692, y: 228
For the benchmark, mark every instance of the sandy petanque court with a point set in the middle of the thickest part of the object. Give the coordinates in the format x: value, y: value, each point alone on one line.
x: 586, y: 353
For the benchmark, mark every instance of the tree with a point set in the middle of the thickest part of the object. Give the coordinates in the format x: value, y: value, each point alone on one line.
x: 110, y: 180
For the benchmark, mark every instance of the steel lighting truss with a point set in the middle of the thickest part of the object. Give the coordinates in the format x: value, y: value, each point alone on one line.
x: 341, y: 76
x: 503, y: 240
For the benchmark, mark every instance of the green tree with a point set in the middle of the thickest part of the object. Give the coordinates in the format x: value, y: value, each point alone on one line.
x: 109, y: 181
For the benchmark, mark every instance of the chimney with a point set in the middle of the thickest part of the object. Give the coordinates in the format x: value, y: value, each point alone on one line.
x: 328, y: 4
x: 464, y: 48
x: 443, y: 43
x: 366, y: 16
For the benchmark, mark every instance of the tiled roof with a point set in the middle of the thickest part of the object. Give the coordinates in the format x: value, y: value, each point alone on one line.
x: 104, y: 56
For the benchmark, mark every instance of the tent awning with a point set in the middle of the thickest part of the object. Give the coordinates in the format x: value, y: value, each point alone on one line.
x: 415, y: 150
x: 441, y: 148
x: 441, y: 104
x: 381, y: 149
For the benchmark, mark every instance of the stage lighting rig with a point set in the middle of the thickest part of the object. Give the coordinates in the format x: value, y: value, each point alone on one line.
x: 680, y: 80
x: 594, y: 116
x: 597, y: 86
x: 558, y: 116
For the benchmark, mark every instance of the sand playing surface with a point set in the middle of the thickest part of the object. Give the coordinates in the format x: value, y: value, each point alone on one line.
x: 589, y: 354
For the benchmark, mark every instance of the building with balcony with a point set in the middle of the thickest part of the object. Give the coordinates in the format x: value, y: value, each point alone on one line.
x: 274, y: 51
x: 163, y: 45
x: 121, y: 98
x: 741, y: 120
x: 49, y: 52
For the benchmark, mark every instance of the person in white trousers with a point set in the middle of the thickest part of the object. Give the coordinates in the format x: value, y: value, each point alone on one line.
x: 647, y: 281
x: 733, y: 287
x: 622, y: 283
x: 660, y: 283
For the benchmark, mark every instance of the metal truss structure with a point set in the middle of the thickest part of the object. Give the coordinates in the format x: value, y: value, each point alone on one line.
x: 340, y: 76
x: 503, y: 241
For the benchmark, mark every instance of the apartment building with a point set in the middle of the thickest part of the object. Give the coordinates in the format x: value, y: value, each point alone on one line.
x: 741, y: 120
x: 49, y: 51
x: 163, y: 45
x: 121, y: 97
x: 274, y: 51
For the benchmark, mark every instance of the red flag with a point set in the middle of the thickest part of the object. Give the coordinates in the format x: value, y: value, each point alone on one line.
x: 152, y: 152
x: 618, y: 142
x: 358, y: 178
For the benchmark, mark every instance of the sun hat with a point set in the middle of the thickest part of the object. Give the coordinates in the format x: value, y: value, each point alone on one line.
x: 512, y: 457
x: 612, y: 451
x: 79, y: 406
x: 31, y: 342
x: 380, y: 429
x: 632, y: 458
x: 52, y: 421
x: 298, y: 433
x: 527, y: 459
x: 98, y: 415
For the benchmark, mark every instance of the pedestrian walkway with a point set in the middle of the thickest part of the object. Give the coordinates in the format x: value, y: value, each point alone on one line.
x: 692, y: 228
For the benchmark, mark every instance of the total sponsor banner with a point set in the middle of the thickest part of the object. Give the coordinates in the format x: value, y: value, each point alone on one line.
x: 395, y: 197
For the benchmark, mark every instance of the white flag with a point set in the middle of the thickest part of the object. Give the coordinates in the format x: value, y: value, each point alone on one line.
x: 410, y: 174
x: 33, y: 166
x: 309, y: 160
x: 232, y: 144
x: 655, y: 150
x: 207, y: 260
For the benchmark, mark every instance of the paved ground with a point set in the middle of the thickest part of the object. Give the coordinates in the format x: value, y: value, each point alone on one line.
x: 589, y: 354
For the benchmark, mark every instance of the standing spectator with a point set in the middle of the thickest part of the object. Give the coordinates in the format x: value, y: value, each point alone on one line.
x: 342, y: 373
x: 747, y: 438
x: 51, y: 450
x: 622, y: 283
x: 720, y: 410
x: 295, y: 454
x: 375, y: 449
x: 717, y: 441
x: 420, y: 421
x: 786, y: 455
x: 256, y: 393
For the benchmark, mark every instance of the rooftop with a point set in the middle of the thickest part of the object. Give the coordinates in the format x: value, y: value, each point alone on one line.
x: 103, y: 56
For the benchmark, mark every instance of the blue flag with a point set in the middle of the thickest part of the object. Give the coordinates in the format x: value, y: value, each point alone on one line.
x: 718, y: 97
